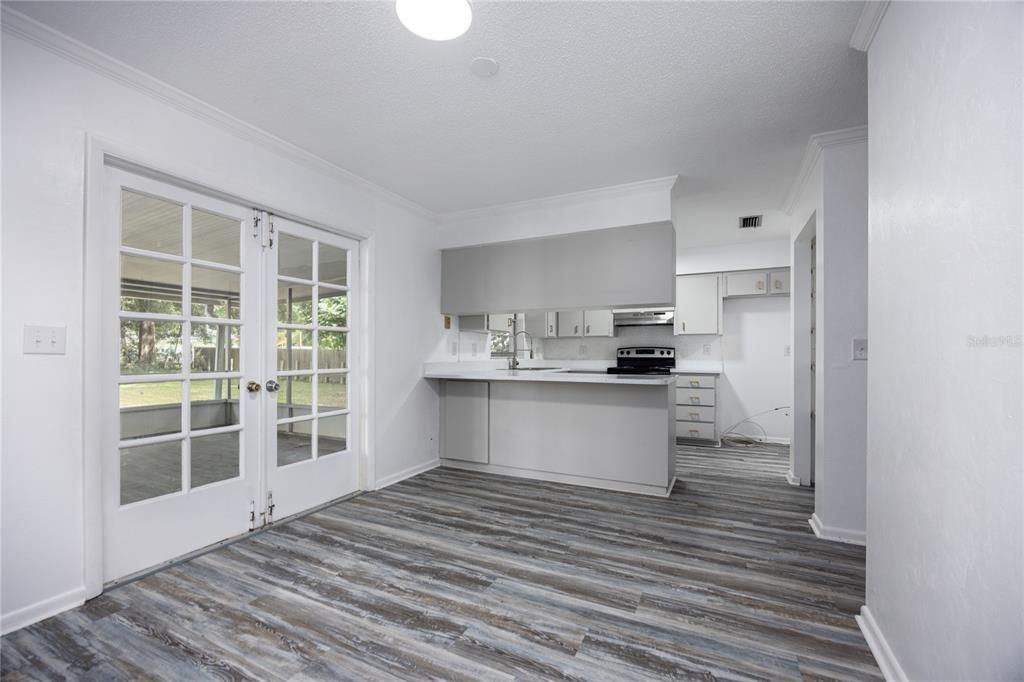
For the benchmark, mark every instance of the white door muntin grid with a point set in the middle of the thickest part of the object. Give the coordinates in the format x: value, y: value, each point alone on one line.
x: 314, y: 358
x: 148, y: 526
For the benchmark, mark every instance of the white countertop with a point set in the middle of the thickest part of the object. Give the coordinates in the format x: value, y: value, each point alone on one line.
x: 558, y: 375
x: 698, y: 367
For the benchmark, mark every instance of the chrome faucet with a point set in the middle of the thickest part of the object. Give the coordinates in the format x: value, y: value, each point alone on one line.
x: 513, y: 362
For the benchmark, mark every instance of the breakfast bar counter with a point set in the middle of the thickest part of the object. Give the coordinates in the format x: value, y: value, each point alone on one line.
x: 583, y: 428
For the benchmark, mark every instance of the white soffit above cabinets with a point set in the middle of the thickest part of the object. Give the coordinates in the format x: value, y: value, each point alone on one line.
x: 589, y: 94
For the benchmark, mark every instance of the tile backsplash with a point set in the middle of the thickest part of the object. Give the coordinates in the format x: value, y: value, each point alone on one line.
x: 603, y: 348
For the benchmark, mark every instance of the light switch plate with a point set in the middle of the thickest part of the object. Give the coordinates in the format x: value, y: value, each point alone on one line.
x: 860, y: 349
x: 41, y: 340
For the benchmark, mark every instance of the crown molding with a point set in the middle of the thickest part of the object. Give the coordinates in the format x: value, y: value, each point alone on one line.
x: 870, y: 19
x: 561, y: 200
x: 815, y: 146
x: 16, y: 24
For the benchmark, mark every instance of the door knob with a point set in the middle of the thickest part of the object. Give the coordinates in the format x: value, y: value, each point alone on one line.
x: 272, y: 386
x: 253, y: 387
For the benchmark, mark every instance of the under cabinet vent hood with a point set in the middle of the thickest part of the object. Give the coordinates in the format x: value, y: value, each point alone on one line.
x: 643, y: 317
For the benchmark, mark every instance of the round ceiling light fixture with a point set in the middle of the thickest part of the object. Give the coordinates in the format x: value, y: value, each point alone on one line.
x: 435, y: 19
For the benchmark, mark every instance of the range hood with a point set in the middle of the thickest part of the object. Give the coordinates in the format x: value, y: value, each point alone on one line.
x: 643, y: 317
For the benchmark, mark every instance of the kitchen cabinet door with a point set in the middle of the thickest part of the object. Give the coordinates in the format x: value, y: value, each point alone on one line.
x: 500, y: 322
x: 746, y: 283
x: 465, y: 427
x: 570, y: 323
x: 598, y: 323
x: 698, y: 304
x: 541, y: 325
x: 778, y: 282
x: 551, y: 320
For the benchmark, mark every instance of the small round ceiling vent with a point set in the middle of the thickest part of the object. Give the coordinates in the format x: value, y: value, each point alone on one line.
x: 484, y: 67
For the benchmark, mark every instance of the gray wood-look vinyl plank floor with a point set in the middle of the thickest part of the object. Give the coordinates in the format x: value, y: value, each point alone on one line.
x: 466, y: 576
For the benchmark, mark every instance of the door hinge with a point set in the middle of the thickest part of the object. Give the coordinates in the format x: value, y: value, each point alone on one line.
x: 266, y: 516
x: 263, y: 228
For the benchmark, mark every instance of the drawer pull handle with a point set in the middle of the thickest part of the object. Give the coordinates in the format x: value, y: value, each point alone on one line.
x: 695, y: 382
x: 695, y: 432
x: 694, y: 415
x: 695, y: 399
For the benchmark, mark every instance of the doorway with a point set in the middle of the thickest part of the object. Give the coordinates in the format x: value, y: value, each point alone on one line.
x: 228, y: 355
x: 804, y: 344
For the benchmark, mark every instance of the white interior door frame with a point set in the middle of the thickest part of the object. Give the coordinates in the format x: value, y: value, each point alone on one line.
x: 801, y: 461
x: 99, y: 152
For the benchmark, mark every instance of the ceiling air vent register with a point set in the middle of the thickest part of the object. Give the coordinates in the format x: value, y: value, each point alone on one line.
x: 750, y: 221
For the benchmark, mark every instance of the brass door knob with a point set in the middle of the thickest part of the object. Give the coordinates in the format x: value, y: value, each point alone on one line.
x: 253, y: 387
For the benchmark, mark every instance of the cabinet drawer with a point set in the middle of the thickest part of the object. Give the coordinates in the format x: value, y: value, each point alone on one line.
x: 694, y: 413
x: 695, y: 381
x: 695, y: 396
x: 695, y: 430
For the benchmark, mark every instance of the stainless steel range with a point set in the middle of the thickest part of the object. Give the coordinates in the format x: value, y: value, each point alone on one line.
x: 644, y: 360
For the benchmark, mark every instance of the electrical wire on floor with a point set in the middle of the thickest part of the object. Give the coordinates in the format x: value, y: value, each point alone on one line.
x: 743, y: 440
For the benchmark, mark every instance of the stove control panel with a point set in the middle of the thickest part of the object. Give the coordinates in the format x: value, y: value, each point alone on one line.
x: 648, y: 352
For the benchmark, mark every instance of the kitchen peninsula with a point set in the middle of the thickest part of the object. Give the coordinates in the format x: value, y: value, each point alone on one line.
x: 584, y: 428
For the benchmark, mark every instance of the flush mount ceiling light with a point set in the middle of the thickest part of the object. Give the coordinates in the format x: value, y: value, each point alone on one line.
x: 435, y: 19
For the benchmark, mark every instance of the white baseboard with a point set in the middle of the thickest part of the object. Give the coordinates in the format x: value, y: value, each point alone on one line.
x: 852, y: 537
x: 792, y: 480
x: 406, y: 473
x: 571, y: 479
x: 33, y: 613
x: 890, y: 667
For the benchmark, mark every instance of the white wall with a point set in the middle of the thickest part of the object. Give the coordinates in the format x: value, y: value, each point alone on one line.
x: 756, y: 370
x: 745, y: 256
x: 49, y: 105
x: 945, y: 564
x: 633, y: 204
x: 842, y: 315
x: 833, y: 202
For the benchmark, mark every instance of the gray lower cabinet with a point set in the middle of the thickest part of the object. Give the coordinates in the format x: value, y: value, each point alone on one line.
x: 465, y: 423
x: 696, y: 399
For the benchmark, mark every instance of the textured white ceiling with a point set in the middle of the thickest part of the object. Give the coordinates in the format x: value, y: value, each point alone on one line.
x: 589, y: 94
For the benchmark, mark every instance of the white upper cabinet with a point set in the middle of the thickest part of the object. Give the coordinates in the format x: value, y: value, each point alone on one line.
x: 542, y: 325
x: 698, y: 304
x: 778, y: 282
x: 570, y: 323
x: 500, y: 322
x: 551, y: 320
x: 598, y: 323
x: 746, y: 283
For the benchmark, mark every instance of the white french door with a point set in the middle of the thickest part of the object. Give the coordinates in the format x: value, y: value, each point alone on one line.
x: 206, y: 301
x: 310, y: 425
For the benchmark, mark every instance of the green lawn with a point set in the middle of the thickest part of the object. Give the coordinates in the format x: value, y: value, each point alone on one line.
x: 169, y: 392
